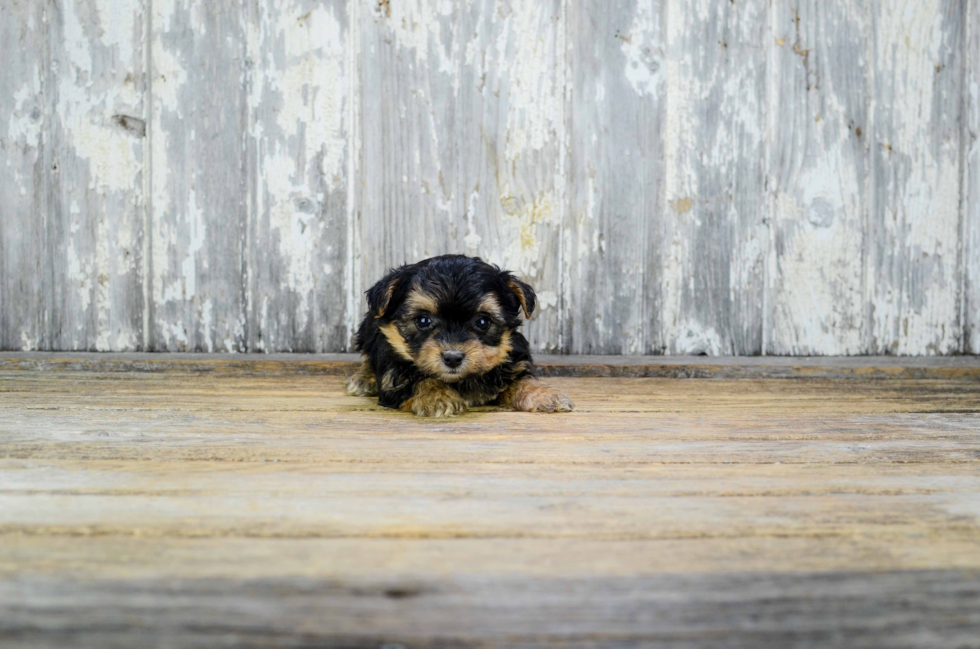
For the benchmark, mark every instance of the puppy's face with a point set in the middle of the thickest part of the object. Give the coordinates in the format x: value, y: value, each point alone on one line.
x: 452, y: 317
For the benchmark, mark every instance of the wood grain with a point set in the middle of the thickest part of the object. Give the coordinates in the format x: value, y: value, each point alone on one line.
x: 268, y: 510
x: 24, y: 261
x: 95, y: 95
x: 714, y: 237
x: 198, y: 216
x: 616, y: 115
x: 819, y: 100
x: 916, y: 149
x: 296, y: 258
x: 971, y: 186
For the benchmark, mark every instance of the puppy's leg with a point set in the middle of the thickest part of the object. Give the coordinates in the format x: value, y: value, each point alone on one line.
x: 531, y: 395
x: 432, y: 398
x: 363, y: 383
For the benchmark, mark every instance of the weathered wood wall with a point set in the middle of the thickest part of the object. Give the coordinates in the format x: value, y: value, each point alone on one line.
x: 673, y: 176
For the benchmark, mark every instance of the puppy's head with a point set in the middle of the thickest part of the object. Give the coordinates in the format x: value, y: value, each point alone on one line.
x: 452, y: 316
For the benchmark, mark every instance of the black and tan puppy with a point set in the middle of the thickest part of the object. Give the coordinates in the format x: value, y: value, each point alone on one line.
x: 441, y: 335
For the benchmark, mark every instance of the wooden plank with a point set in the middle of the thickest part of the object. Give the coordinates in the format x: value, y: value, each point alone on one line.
x: 701, y: 367
x: 510, y: 128
x: 819, y: 103
x: 198, y: 120
x: 895, y: 609
x: 398, y: 560
x: 297, y: 175
x: 714, y: 235
x: 22, y: 180
x: 95, y: 102
x: 398, y: 501
x: 915, y: 156
x: 970, y: 240
x: 406, y: 194
x: 616, y: 90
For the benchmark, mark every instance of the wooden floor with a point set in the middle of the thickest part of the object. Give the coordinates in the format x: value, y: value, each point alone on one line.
x: 208, y: 509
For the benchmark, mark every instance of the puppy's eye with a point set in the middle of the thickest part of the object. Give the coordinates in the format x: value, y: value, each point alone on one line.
x: 423, y: 322
x: 482, y: 323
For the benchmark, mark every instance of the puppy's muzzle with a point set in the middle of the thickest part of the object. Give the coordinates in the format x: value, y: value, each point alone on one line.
x: 453, y: 358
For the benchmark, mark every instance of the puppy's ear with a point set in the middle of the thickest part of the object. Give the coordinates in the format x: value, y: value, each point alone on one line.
x: 379, y: 296
x: 525, y: 294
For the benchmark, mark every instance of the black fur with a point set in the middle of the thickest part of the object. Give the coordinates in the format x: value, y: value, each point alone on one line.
x: 458, y: 284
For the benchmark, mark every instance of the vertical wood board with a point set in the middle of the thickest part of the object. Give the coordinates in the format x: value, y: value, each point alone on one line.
x: 914, y: 233
x: 819, y: 176
x: 971, y: 185
x: 198, y: 125
x: 616, y: 81
x: 715, y: 234
x: 296, y: 259
x: 94, y: 95
x: 22, y: 176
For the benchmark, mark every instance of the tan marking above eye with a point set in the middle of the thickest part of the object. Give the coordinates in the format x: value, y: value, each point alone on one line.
x: 419, y: 302
x: 491, y: 306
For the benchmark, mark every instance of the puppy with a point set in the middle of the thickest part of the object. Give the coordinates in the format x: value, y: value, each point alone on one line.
x: 441, y: 336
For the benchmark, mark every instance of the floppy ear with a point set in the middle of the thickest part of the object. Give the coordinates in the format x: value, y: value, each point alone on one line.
x: 525, y: 294
x: 379, y: 295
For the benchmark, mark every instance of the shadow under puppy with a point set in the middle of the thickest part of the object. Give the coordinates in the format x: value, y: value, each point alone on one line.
x: 441, y: 335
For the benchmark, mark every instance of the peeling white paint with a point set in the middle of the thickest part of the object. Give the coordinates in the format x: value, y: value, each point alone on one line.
x: 110, y: 151
x: 547, y: 300
x: 919, y: 198
x: 207, y: 308
x: 197, y: 231
x: 644, y: 53
x: 534, y: 107
x: 117, y: 19
x: 819, y: 288
x: 525, y: 227
x: 312, y: 85
x: 694, y: 339
x: 417, y: 25
x: 24, y: 124
x: 28, y: 343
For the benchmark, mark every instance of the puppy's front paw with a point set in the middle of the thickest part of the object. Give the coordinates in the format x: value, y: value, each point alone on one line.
x: 357, y: 386
x: 362, y: 386
x: 364, y: 383
x: 531, y: 395
x: 545, y: 400
x: 434, y: 399
x: 443, y: 406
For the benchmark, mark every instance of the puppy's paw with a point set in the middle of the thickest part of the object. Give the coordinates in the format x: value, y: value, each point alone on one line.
x: 364, y: 383
x: 545, y: 399
x: 531, y: 395
x: 434, y: 399
x: 361, y: 386
x: 442, y: 406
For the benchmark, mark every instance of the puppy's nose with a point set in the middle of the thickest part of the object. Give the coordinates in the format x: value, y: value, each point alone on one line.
x: 453, y: 358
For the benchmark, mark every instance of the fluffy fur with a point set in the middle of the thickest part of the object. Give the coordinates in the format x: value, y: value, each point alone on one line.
x: 441, y: 336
